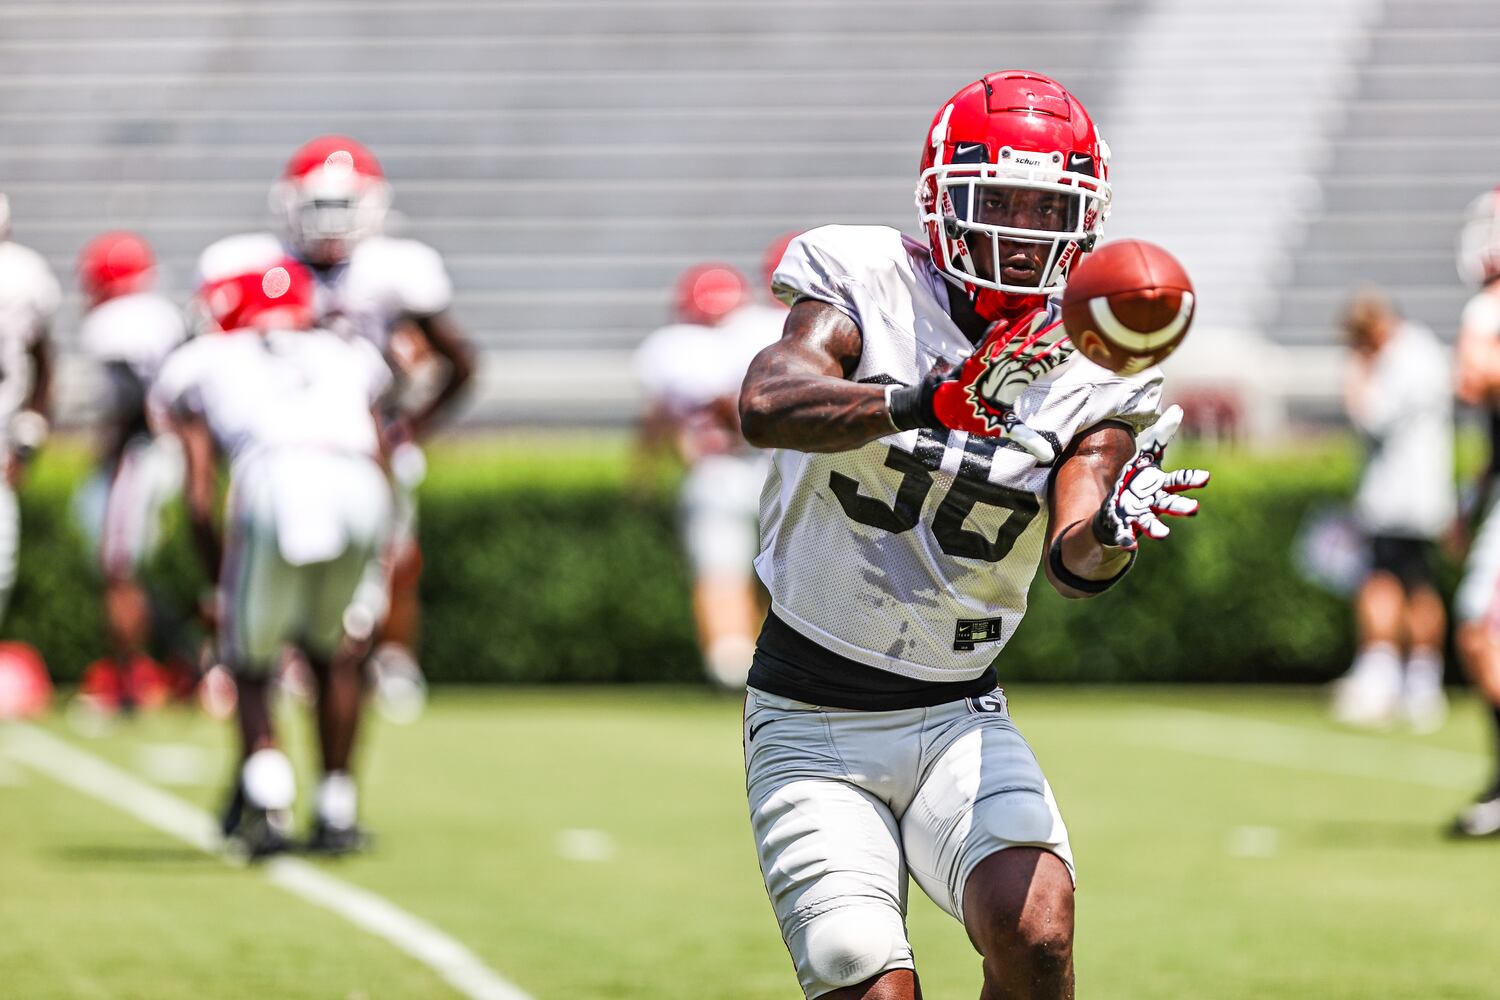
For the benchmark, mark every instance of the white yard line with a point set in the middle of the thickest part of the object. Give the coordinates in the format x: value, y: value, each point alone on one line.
x: 1278, y: 744
x: 82, y: 771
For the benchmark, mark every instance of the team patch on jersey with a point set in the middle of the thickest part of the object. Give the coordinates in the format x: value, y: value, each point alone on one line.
x: 969, y: 632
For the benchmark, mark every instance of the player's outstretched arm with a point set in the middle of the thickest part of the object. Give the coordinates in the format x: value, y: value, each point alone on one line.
x: 1078, y: 563
x: 797, y: 393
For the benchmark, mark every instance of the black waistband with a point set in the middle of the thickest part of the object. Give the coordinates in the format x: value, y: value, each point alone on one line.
x: 790, y: 665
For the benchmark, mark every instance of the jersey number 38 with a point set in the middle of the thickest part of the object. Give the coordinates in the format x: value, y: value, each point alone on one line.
x: 970, y: 489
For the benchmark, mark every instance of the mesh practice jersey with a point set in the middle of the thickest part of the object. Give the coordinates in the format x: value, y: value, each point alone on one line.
x: 137, y: 330
x: 29, y: 297
x: 914, y: 553
x: 282, y: 390
x: 383, y: 280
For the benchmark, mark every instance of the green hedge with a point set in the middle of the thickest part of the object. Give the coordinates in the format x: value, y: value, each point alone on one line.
x: 544, y: 564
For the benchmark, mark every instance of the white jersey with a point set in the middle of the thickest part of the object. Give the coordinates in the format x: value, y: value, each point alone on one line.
x: 687, y: 369
x: 292, y: 411
x: 29, y: 297
x: 137, y: 330
x: 1406, y: 415
x: 383, y: 280
x: 282, y: 390
x: 914, y: 553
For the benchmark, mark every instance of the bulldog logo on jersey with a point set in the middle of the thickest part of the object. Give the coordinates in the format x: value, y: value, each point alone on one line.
x: 1013, y: 356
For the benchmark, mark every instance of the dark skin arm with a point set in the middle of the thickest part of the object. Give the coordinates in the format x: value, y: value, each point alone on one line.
x: 447, y: 340
x: 797, y: 393
x: 1086, y: 474
x: 40, y: 397
x: 201, y: 490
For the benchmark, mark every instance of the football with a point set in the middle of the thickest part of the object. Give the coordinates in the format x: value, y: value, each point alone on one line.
x: 1128, y: 305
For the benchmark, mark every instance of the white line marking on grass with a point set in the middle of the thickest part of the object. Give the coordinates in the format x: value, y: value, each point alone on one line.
x: 585, y: 845
x: 1253, y: 842
x: 84, y: 772
x: 1278, y: 744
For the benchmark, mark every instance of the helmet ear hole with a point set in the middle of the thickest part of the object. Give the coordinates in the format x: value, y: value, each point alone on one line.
x: 953, y: 230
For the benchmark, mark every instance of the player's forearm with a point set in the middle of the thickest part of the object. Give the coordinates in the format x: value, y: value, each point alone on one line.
x: 817, y: 413
x: 1084, y: 555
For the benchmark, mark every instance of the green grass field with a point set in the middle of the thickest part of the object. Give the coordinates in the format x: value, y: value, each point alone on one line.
x: 1231, y: 844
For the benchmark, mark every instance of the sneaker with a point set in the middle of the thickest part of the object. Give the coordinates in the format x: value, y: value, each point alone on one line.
x: 1425, y: 707
x: 260, y: 833
x: 400, y: 688
x: 1482, y: 819
x: 1367, y: 699
x: 337, y: 841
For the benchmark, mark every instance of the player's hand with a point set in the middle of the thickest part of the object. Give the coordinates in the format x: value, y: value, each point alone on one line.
x: 979, y: 395
x: 1144, y: 492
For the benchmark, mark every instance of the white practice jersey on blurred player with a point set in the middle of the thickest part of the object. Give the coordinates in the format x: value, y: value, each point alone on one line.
x: 914, y: 553
x: 29, y: 297
x: 1406, y: 416
x: 138, y: 331
x: 687, y: 368
x: 279, y: 406
x: 383, y: 280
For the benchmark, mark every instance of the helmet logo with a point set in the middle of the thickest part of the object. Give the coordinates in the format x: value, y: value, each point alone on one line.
x: 940, y: 130
x: 341, y: 160
x: 276, y: 282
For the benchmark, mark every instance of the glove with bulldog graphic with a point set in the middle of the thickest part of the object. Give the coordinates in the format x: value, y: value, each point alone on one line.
x: 1145, y: 491
x: 979, y: 395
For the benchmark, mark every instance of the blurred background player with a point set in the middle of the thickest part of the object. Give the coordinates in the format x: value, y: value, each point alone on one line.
x: 29, y: 297
x: 691, y: 371
x: 127, y: 330
x: 1477, y: 603
x: 1399, y: 396
x: 292, y: 411
x: 330, y: 205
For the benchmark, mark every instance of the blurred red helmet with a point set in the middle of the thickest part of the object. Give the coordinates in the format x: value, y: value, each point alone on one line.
x: 113, y: 264
x: 1010, y: 140
x: 331, y: 195
x: 25, y: 688
x: 278, y: 296
x: 707, y: 293
x: 772, y: 258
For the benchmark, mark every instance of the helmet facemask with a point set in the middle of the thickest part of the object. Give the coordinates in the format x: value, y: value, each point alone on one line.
x: 330, y: 210
x: 989, y: 213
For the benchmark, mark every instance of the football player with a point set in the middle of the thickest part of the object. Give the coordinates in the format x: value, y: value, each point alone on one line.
x: 935, y: 437
x: 1399, y: 396
x: 128, y: 331
x: 329, y: 204
x: 691, y: 371
x: 29, y: 297
x: 1475, y: 605
x: 290, y: 410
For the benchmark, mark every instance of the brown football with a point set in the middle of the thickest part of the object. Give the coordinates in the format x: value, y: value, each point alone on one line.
x: 1128, y: 305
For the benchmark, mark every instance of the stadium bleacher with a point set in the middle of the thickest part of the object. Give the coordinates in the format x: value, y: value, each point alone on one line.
x: 567, y: 174
x: 571, y: 158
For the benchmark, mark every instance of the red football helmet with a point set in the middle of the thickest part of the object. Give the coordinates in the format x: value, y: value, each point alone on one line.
x: 113, y: 264
x: 1014, y: 188
x: 278, y: 296
x: 1479, y: 240
x: 707, y: 293
x: 331, y: 195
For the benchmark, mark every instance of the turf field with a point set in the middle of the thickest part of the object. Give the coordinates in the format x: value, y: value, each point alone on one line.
x: 593, y: 844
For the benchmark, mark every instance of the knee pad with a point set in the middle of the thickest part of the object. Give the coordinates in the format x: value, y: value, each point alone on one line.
x: 850, y: 944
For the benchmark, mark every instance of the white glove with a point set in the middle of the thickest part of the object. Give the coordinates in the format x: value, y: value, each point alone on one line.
x: 1144, y: 491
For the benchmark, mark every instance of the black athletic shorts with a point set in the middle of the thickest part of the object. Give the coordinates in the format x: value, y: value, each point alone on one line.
x: 1407, y: 559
